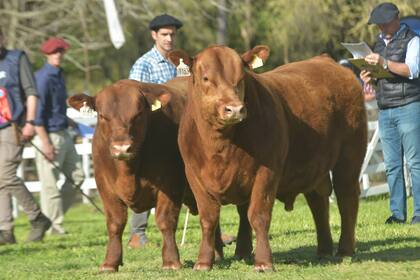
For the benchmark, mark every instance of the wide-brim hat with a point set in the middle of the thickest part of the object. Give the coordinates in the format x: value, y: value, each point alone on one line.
x: 383, y: 13
x: 53, y: 44
x: 164, y: 20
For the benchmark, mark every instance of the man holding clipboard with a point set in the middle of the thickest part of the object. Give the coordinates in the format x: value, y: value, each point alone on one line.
x: 397, y: 50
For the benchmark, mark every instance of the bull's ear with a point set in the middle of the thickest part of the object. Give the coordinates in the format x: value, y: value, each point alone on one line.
x: 256, y: 57
x: 175, y: 55
x: 79, y: 100
x: 156, y: 95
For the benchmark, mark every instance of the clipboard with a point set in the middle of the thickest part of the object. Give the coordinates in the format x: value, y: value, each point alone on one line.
x: 359, y: 51
x: 377, y: 71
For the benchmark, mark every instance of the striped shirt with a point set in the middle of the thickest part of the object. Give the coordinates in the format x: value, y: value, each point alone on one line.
x: 152, y: 67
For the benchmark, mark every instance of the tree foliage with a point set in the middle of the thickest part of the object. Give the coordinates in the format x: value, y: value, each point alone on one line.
x: 294, y: 30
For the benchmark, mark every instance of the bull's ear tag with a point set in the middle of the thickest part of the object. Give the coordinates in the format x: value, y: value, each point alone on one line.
x: 256, y: 62
x: 86, y: 111
x: 182, y: 70
x: 156, y: 105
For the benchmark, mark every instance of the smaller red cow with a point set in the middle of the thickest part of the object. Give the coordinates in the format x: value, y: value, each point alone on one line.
x: 137, y: 162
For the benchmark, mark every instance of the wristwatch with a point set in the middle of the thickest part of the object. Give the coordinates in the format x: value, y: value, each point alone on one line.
x: 32, y: 122
x: 385, y: 64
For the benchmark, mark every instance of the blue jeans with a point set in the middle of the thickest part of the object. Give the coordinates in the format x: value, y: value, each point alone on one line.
x: 399, y: 130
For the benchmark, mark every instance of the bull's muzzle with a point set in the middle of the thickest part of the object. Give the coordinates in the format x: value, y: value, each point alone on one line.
x: 121, y: 151
x: 232, y: 114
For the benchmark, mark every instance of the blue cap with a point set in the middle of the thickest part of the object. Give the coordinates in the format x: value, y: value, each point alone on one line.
x: 383, y: 13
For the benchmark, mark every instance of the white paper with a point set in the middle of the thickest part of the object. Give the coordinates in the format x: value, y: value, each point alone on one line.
x: 114, y: 26
x: 358, y: 50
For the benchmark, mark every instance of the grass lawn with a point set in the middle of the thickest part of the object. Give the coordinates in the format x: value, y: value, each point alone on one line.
x: 383, y: 251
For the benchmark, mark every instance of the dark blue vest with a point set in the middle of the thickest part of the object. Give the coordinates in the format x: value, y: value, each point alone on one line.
x: 9, y: 79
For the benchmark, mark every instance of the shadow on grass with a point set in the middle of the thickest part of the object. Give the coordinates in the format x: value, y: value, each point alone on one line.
x: 305, y: 256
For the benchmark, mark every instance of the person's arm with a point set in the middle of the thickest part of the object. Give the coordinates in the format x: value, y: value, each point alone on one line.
x: 409, y: 68
x: 47, y: 147
x: 28, y: 86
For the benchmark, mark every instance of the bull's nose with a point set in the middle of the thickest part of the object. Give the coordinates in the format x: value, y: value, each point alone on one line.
x: 234, y: 112
x: 121, y: 148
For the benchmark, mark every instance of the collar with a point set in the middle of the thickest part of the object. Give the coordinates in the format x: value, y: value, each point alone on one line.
x: 159, y: 57
x: 50, y: 69
x: 402, y: 27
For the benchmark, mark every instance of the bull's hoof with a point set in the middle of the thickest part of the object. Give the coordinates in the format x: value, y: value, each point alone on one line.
x: 264, y: 268
x: 172, y: 266
x: 108, y: 269
x: 202, y: 267
x: 218, y: 257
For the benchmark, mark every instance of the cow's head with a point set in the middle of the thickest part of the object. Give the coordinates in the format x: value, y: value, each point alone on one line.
x: 123, y: 112
x: 218, y: 82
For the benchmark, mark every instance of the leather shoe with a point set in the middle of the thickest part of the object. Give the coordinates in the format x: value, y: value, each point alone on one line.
x: 7, y: 237
x: 137, y: 241
x: 39, y: 226
x: 393, y: 220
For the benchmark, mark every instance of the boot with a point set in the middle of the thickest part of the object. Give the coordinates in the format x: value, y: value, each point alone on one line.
x: 39, y: 226
x: 7, y: 237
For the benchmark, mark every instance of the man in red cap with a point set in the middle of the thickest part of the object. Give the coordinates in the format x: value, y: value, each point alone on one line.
x: 56, y: 143
x: 17, y: 87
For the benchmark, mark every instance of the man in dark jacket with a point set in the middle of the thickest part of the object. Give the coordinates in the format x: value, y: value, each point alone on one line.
x: 398, y: 98
x: 18, y: 99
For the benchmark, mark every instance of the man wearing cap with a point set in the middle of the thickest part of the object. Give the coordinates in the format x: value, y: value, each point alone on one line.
x: 53, y: 139
x: 18, y: 98
x: 397, y: 50
x: 153, y: 67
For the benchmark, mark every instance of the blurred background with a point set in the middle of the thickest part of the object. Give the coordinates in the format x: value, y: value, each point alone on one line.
x: 294, y: 30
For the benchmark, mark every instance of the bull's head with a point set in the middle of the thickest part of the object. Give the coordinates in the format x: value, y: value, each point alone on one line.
x: 218, y: 76
x: 123, y: 111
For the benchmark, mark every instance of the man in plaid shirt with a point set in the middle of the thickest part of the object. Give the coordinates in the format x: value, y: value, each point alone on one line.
x: 153, y: 67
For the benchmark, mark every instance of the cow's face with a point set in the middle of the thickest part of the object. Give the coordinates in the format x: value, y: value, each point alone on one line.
x: 218, y: 74
x: 123, y: 112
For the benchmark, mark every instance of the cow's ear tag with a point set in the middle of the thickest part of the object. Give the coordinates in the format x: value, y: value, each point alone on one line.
x: 156, y: 105
x: 86, y: 111
x: 256, y: 62
x: 182, y: 70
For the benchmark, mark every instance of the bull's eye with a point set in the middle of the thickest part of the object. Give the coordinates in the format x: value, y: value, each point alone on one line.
x: 102, y: 117
x: 205, y: 78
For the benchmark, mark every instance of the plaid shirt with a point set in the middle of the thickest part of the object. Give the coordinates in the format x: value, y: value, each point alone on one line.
x: 152, y: 67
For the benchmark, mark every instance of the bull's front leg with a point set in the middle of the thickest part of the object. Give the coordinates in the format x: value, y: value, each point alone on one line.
x: 167, y: 213
x: 209, y: 211
x: 259, y: 215
x: 244, y: 239
x: 116, y: 219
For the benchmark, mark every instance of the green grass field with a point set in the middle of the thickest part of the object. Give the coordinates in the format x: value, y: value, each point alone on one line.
x: 383, y: 251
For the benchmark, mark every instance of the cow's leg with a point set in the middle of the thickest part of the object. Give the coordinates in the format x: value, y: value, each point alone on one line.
x: 347, y: 190
x: 209, y: 212
x: 259, y: 215
x: 167, y: 213
x: 218, y: 244
x: 244, y: 240
x: 116, y: 219
x: 319, y: 205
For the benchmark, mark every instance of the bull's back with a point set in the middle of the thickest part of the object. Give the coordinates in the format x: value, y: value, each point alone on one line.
x: 325, y: 109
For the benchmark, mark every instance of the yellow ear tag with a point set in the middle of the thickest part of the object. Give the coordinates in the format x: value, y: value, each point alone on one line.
x: 256, y: 62
x: 182, y: 70
x: 156, y: 105
x: 86, y: 111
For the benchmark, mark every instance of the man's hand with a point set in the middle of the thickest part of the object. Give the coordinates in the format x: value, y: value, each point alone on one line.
x: 368, y: 90
x: 28, y: 131
x: 48, y: 150
x: 374, y: 58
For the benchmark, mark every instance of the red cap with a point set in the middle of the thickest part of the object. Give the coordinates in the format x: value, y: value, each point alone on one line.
x: 53, y: 44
